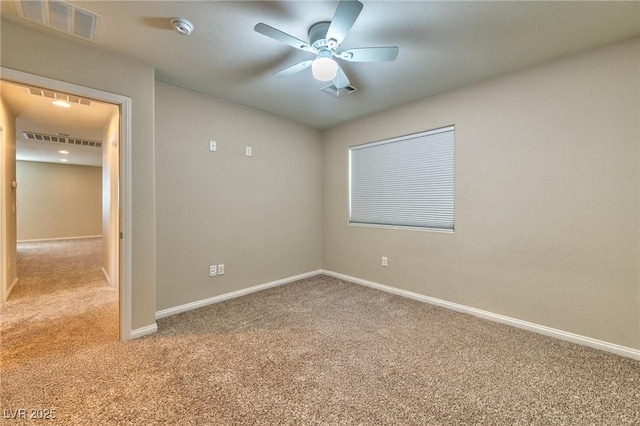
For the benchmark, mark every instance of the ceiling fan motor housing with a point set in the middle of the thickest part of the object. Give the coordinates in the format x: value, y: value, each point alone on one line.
x: 318, y: 35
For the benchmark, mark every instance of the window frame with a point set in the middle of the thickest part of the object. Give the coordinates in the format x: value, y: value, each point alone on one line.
x: 438, y: 130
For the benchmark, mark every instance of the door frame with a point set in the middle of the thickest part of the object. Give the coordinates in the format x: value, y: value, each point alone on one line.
x: 3, y: 227
x: 124, y: 179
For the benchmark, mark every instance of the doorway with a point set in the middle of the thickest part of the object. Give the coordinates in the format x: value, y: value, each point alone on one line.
x: 116, y: 181
x: 4, y: 259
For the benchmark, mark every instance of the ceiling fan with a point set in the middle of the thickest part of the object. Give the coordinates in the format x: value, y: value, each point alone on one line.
x: 324, y: 41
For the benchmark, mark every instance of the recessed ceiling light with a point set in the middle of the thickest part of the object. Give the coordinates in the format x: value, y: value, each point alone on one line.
x: 64, y: 160
x: 63, y: 152
x: 61, y: 104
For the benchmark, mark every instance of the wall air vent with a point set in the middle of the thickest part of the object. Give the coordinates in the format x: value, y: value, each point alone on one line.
x: 57, y: 95
x: 338, y: 93
x: 61, y: 16
x: 61, y: 139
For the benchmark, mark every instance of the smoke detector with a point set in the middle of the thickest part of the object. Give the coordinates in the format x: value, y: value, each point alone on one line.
x: 182, y: 26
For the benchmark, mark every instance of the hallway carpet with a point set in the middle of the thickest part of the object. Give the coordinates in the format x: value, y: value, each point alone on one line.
x: 61, y: 304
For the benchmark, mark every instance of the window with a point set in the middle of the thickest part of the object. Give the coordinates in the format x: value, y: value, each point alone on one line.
x: 404, y: 182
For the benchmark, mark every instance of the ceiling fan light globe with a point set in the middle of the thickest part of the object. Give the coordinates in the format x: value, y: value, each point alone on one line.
x: 324, y: 68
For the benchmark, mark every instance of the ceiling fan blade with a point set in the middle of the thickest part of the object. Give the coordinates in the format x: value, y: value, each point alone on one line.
x: 278, y: 35
x: 293, y: 69
x: 340, y: 80
x: 370, y: 54
x: 344, y: 18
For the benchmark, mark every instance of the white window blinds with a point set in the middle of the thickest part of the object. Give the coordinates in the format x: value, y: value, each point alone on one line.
x: 406, y: 181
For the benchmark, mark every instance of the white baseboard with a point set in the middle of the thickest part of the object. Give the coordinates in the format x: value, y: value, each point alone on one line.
x: 13, y: 284
x: 541, y: 329
x: 106, y: 276
x: 143, y: 331
x: 37, y: 240
x: 216, y: 299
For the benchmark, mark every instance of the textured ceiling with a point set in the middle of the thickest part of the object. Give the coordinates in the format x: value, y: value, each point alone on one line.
x: 443, y: 45
x: 38, y: 114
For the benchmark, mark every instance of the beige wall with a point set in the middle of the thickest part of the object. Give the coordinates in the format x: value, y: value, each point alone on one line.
x: 259, y: 215
x: 547, y: 190
x: 547, y: 197
x: 8, y: 200
x: 84, y: 64
x: 110, y: 194
x: 58, y: 200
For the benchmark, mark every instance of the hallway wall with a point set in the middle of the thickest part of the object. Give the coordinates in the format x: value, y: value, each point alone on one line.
x: 8, y: 199
x: 58, y: 200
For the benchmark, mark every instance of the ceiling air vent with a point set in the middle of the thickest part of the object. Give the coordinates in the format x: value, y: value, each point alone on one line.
x: 338, y: 93
x: 61, y: 16
x: 57, y: 95
x: 61, y: 139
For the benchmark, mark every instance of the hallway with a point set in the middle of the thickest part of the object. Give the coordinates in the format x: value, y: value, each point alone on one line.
x: 61, y: 303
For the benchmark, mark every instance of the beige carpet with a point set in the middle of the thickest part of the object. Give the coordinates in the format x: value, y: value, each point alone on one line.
x: 61, y: 304
x: 318, y: 351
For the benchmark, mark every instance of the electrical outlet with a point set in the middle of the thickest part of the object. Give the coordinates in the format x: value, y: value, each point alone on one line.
x: 213, y: 270
x: 248, y: 151
x: 212, y: 146
x: 384, y: 261
x: 221, y: 269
